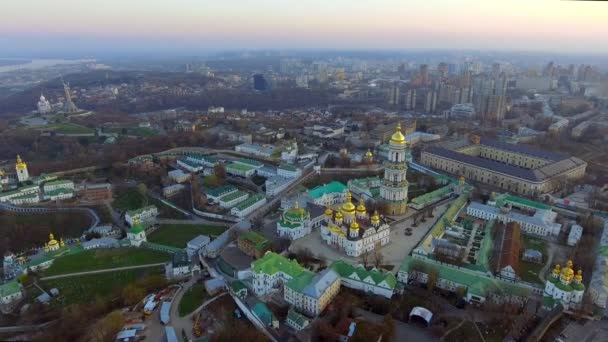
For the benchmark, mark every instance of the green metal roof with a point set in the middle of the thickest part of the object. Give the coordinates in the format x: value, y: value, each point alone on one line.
x: 9, y: 288
x: 251, y: 162
x: 233, y: 195
x: 239, y: 167
x: 219, y: 191
x: 477, y: 283
x: 346, y: 270
x: 301, y: 281
x: 432, y: 196
x: 288, y: 167
x: 238, y: 286
x: 521, y: 202
x: 263, y: 312
x: 272, y: 263
x: 140, y: 210
x: 59, y: 182
x: 249, y: 202
x: 258, y: 240
x: 59, y: 191
x: 329, y: 188
x: 296, y: 317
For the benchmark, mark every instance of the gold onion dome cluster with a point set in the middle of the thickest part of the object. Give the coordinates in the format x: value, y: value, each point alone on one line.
x: 398, y: 137
x: 348, y: 207
x: 354, y: 226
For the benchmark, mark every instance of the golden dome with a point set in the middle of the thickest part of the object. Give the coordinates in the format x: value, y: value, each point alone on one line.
x: 354, y: 225
x: 296, y: 210
x: 461, y: 179
x: 339, y: 215
x: 376, y: 217
x: 368, y: 154
x: 398, y: 137
x: 361, y: 207
x: 20, y: 164
x: 556, y: 270
x: 349, y: 207
x: 52, y: 241
x: 579, y: 276
x: 567, y: 271
x: 328, y: 212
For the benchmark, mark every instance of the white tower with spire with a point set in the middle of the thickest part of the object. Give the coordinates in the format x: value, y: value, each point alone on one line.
x: 68, y: 105
x: 21, y: 169
x: 395, y: 186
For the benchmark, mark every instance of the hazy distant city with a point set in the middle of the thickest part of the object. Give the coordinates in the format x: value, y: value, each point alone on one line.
x: 291, y: 180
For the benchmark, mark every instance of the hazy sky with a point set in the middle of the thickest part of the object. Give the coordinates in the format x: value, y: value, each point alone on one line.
x: 92, y: 26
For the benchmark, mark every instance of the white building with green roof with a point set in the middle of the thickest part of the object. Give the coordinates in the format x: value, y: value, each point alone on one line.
x: 367, y: 188
x: 59, y: 194
x: 144, y: 214
x: 240, y: 170
x: 294, y: 223
x: 272, y: 271
x: 288, y: 171
x: 328, y: 194
x: 370, y: 281
x: 296, y: 320
x: 310, y: 293
x: 10, y: 292
x: 248, y: 206
x: 58, y: 184
x: 564, y: 287
x: 232, y: 199
x: 137, y: 234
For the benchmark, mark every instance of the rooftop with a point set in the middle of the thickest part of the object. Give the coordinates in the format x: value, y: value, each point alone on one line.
x: 329, y: 188
x: 346, y: 270
x: 272, y: 263
x: 222, y: 190
x: 258, y: 240
x: 233, y: 195
x: 239, y: 167
x: 249, y: 202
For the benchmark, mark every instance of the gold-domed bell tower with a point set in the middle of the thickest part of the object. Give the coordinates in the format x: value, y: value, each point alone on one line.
x: 21, y: 168
x: 394, y: 188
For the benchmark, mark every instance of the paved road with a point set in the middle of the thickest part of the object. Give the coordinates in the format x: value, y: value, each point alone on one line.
x: 102, y: 271
x: 403, y: 331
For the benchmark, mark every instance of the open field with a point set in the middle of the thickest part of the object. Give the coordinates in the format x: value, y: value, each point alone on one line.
x: 178, y: 235
x: 137, y: 131
x: 99, y: 259
x: 129, y: 200
x: 84, y: 289
x: 67, y: 128
x: 192, y: 299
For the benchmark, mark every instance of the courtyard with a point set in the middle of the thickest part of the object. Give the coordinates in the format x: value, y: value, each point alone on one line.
x: 393, y: 253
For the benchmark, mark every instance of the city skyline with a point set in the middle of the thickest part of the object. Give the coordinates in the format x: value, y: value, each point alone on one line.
x: 90, y: 27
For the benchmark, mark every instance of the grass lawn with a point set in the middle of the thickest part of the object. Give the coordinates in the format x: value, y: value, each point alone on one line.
x: 98, y: 259
x: 178, y: 235
x: 537, y: 244
x: 139, y: 131
x: 165, y: 211
x: 84, y: 289
x: 69, y: 128
x: 129, y: 200
x: 528, y: 271
x: 192, y: 299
